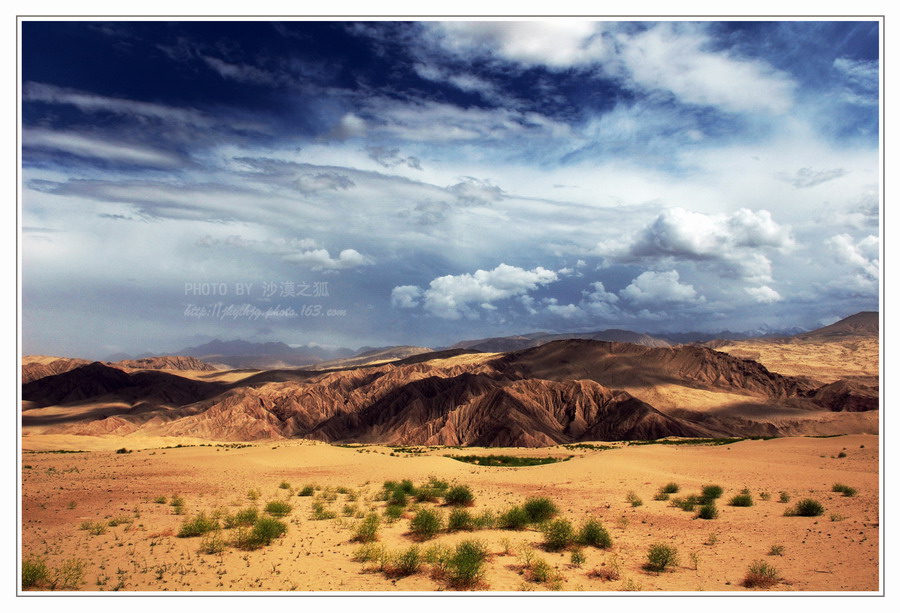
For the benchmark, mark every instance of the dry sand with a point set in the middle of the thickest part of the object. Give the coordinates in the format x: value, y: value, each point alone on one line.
x: 836, y: 551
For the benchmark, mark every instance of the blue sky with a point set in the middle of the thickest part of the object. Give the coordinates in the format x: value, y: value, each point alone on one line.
x: 442, y: 180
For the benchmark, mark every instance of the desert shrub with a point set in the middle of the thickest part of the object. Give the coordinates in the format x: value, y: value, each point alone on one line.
x: 540, y: 509
x: 765, y: 496
x: 776, y: 550
x: 67, y: 576
x: 94, y: 527
x: 515, y: 518
x: 784, y: 497
x: 244, y: 517
x: 177, y: 503
x: 407, y: 487
x: 484, y: 520
x: 660, y: 496
x: 660, y: 557
x: 613, y: 572
x: 761, y: 574
x: 708, y: 511
x: 425, y: 524
x: 741, y: 500
x: 123, y: 450
x: 460, y: 519
x: 438, y: 556
x: 160, y: 500
x: 712, y: 492
x: 593, y: 534
x: 199, y: 525
x: 687, y: 503
x: 320, y: 512
x: 846, y: 490
x: 407, y: 562
x: 307, y: 490
x: 558, y: 535
x: 253, y: 494
x: 370, y: 552
x: 539, y: 571
x: 34, y: 572
x: 118, y: 520
x: 459, y: 495
x: 398, y: 498
x: 367, y: 530
x: 284, y: 485
x: 465, y: 568
x: 633, y: 499
x: 427, y: 493
x: 213, y: 543
x: 266, y: 530
x: 837, y: 517
x: 670, y: 488
x: 577, y: 557
x: 806, y: 508
x: 842, y: 454
x: 393, y: 512
x: 278, y: 508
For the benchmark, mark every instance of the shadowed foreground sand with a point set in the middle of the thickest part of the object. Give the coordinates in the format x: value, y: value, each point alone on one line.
x: 836, y: 551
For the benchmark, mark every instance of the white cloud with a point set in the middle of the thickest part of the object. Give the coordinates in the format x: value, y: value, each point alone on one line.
x: 653, y: 287
x: 452, y: 296
x: 862, y: 255
x: 349, y: 126
x: 475, y: 191
x: 406, y: 296
x: 807, y: 177
x: 88, y: 146
x: 763, y: 294
x: 319, y: 259
x: 321, y: 181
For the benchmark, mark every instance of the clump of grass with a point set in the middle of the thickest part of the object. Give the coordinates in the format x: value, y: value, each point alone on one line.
x: 459, y: 496
x: 688, y: 503
x: 515, y: 518
x: 712, y: 492
x: 370, y: 552
x: 558, y: 535
x: 34, y: 572
x: 465, y: 568
x: 712, y: 539
x: 538, y: 570
x: 93, y: 527
x: 199, y: 525
x: 253, y: 494
x: 776, y: 550
x: 406, y: 563
x: 484, y: 520
x: 613, y: 572
x: 670, y: 488
x: 460, y: 519
x: 367, y: 530
x: 160, y: 500
x: 426, y: 524
x: 320, y: 512
x: 177, y: 504
x: 761, y: 574
x: 708, y: 511
x: 278, y: 508
x: 593, y: 534
x: 264, y: 531
x: 284, y: 485
x: 540, y: 509
x: 765, y: 496
x: 244, y: 517
x: 661, y: 556
x: 307, y: 490
x: 213, y: 543
x: 741, y: 500
x: 398, y: 498
x: 846, y: 490
x: 784, y: 497
x: 660, y: 496
x: 633, y: 499
x: 577, y: 558
x: 837, y: 517
x: 806, y: 508
x: 393, y: 512
x: 842, y: 454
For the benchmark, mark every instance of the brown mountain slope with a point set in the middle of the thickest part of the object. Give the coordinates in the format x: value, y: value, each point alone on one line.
x: 862, y: 324
x: 38, y: 366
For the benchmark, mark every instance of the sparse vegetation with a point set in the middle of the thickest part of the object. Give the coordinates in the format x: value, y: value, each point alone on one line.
x: 846, y: 490
x: 406, y: 563
x: 213, y: 543
x: 459, y: 495
x: 806, y: 508
x: 540, y: 509
x: 307, y: 490
x: 661, y: 556
x: 465, y: 568
x: 633, y: 499
x: 284, y: 485
x: 34, y: 573
x: 160, y: 500
x: 784, y: 497
x: 708, y: 511
x: 460, y: 519
x: 593, y: 534
x: 426, y: 524
x: 367, y: 530
x: 741, y: 500
x: 515, y: 518
x: 761, y: 574
x: 765, y: 496
x: 506, y: 460
x: 776, y: 550
x: 266, y: 530
x: 670, y: 488
x: 712, y: 492
x: 93, y: 527
x: 842, y: 454
x: 199, y: 525
x: 577, y: 558
x: 558, y: 535
x: 278, y: 508
x: 244, y: 517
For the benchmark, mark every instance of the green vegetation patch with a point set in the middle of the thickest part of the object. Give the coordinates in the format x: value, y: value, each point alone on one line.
x: 507, y: 460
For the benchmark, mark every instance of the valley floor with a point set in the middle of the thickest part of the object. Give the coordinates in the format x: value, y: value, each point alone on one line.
x: 69, y: 501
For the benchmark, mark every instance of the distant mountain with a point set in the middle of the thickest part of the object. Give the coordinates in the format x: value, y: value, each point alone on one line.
x: 244, y: 354
x: 684, y: 338
x: 526, y: 341
x: 864, y: 323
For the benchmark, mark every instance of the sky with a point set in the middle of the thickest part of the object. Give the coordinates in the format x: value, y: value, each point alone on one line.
x: 386, y: 183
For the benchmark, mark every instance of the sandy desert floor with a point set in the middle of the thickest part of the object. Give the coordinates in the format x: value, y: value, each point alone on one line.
x: 64, y: 492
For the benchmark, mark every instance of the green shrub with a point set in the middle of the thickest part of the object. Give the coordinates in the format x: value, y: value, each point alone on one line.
x: 397, y: 498
x: 540, y: 509
x: 367, y: 530
x: 661, y: 496
x: 515, y: 518
x: 393, y: 512
x: 34, y: 572
x: 712, y: 492
x: 485, y: 520
x: 244, y: 517
x: 460, y: 496
x: 593, y: 534
x: 320, y: 512
x: 407, y: 562
x: 278, y: 508
x: 94, y: 527
x: 558, y: 535
x: 67, y: 576
x: 460, y: 519
x: 465, y: 568
x: 660, y: 557
x: 765, y: 496
x: 428, y: 494
x: 213, y: 543
x: 708, y: 511
x: 760, y: 574
x: 284, y: 485
x: 253, y: 494
x: 634, y: 500
x: 266, y: 530
x: 199, y: 525
x: 846, y: 490
x: 741, y: 500
x: 307, y: 490
x: 776, y: 550
x: 784, y: 497
x: 426, y: 524
x: 406, y: 486
x: 670, y: 488
x: 160, y: 500
x: 577, y: 557
x: 806, y: 508
x: 688, y: 503
x: 539, y: 571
